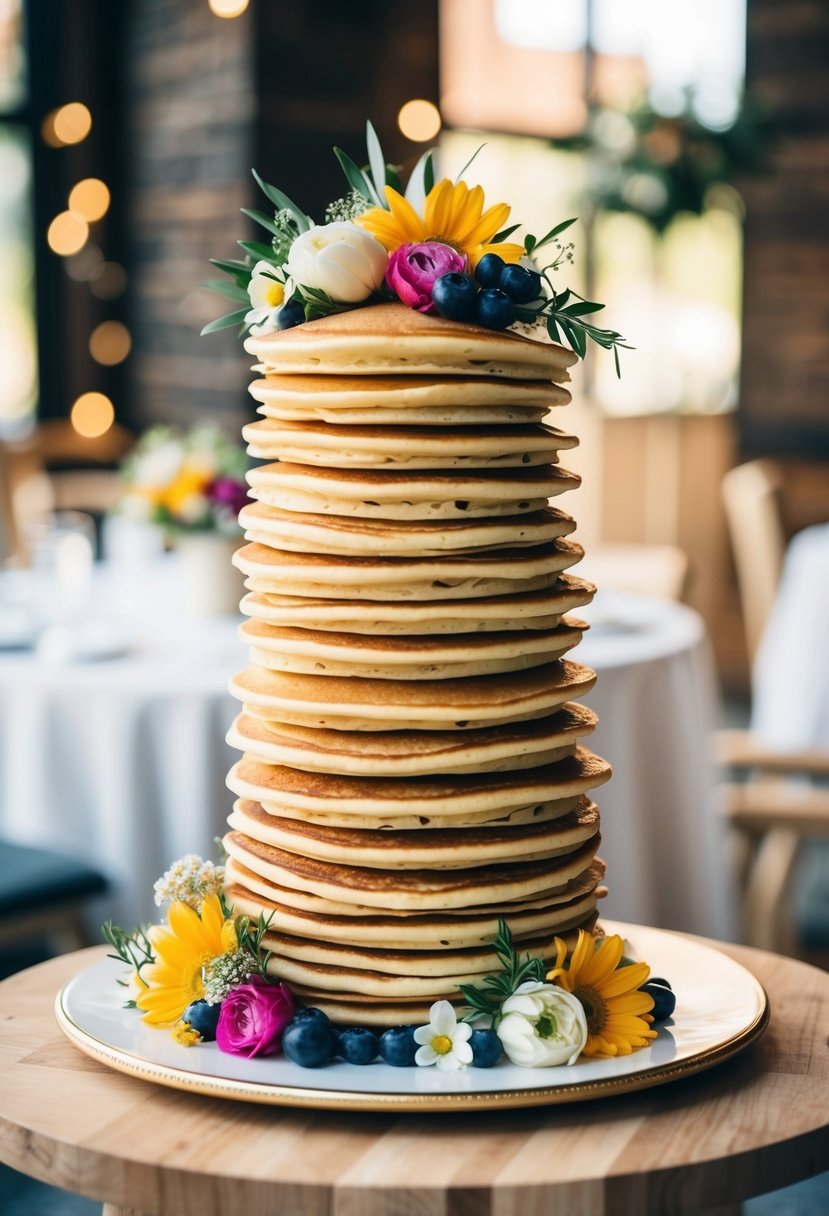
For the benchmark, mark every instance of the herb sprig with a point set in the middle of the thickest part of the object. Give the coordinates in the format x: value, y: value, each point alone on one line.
x: 133, y: 949
x: 486, y: 1000
x: 249, y: 934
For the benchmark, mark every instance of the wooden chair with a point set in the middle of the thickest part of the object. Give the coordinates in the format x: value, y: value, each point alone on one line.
x: 773, y: 800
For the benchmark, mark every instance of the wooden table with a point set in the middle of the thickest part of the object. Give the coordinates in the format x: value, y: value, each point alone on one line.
x: 751, y: 1125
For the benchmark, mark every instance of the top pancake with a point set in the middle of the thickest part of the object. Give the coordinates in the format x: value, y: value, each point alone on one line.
x: 393, y: 339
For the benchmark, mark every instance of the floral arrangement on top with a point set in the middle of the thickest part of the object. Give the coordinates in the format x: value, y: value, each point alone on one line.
x: 204, y: 976
x: 433, y: 246
x: 186, y: 481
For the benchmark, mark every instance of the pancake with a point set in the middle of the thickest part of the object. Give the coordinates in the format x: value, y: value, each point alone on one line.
x: 461, y: 576
x: 354, y: 537
x: 357, y: 703
x: 446, y: 401
x: 430, y: 848
x: 412, y: 447
x: 310, y: 652
x: 411, y: 890
x: 397, y: 494
x: 392, y: 339
x: 519, y: 611
x: 417, y: 799
x: 413, y: 753
x: 313, y: 917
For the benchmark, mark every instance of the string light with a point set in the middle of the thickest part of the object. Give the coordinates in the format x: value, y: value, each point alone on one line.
x: 90, y: 198
x: 68, y: 124
x: 419, y: 120
x: 227, y: 8
x: 92, y: 415
x: 110, y: 343
x: 67, y: 233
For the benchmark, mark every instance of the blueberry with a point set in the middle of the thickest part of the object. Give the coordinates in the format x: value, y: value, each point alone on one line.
x: 494, y: 309
x: 486, y: 1048
x: 358, y: 1045
x: 203, y: 1018
x: 653, y: 979
x: 290, y: 314
x: 397, y: 1046
x: 519, y: 283
x: 310, y: 1041
x: 488, y: 270
x: 664, y: 1001
x: 454, y: 296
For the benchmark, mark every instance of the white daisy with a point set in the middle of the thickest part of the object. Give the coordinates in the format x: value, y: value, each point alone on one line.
x: 445, y: 1041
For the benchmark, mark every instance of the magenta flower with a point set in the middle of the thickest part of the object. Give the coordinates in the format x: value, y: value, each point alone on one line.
x: 413, y: 269
x: 228, y: 492
x: 253, y: 1018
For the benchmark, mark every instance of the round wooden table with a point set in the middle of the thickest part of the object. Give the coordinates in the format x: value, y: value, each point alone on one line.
x: 751, y: 1125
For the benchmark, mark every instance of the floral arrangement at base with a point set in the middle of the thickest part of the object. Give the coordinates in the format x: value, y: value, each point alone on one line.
x: 191, y: 481
x: 434, y: 246
x: 204, y: 977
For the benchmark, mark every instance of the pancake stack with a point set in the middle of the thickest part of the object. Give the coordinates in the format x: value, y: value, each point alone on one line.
x: 413, y: 765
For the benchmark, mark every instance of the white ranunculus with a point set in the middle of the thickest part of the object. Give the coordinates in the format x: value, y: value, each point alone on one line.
x: 159, y: 465
x: 340, y: 259
x: 268, y: 291
x: 543, y: 1026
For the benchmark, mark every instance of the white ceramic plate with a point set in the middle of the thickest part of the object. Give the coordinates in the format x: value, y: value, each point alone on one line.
x: 721, y: 1008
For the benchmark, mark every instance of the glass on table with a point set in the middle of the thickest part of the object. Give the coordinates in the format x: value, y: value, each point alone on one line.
x: 61, y: 550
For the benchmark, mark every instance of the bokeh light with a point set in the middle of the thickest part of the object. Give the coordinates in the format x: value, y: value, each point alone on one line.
x: 68, y: 124
x: 227, y: 8
x: 92, y: 415
x: 67, y: 233
x: 89, y: 198
x: 419, y: 120
x: 110, y: 343
x: 108, y: 281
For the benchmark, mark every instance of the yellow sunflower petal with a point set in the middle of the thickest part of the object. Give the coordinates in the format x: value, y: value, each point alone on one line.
x: 634, y: 1003
x: 437, y: 210
x: 489, y: 223
x: 619, y: 982
x: 468, y: 214
x: 602, y: 963
x: 185, y: 924
x: 507, y: 250
x: 405, y: 216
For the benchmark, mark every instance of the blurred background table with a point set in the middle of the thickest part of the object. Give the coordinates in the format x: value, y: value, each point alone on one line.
x: 122, y: 761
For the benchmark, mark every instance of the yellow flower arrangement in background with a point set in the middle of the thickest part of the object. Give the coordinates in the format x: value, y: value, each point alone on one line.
x: 617, y: 1012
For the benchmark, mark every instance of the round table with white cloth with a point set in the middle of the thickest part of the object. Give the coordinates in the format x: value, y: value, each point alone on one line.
x: 122, y: 760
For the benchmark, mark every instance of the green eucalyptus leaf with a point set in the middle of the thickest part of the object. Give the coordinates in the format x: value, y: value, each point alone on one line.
x: 260, y: 218
x: 582, y: 308
x: 231, y: 318
x: 504, y: 233
x: 224, y: 288
x: 239, y: 270
x: 554, y: 232
x: 376, y: 160
x: 429, y: 171
x: 258, y: 250
x: 282, y: 202
x: 458, y: 176
x: 358, y: 180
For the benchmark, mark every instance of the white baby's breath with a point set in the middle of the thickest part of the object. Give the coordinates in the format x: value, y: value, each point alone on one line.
x: 190, y: 880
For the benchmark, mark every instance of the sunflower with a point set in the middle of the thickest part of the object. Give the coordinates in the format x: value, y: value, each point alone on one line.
x: 190, y: 940
x: 452, y: 214
x: 615, y: 1009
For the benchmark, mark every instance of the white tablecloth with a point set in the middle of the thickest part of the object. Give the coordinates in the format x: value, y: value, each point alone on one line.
x: 790, y: 682
x: 123, y: 761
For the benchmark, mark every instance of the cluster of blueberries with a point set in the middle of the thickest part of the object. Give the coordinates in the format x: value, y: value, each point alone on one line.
x: 490, y: 298
x: 312, y: 1040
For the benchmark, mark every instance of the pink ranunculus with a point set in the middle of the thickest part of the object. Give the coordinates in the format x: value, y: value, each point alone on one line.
x: 253, y: 1018
x: 413, y: 269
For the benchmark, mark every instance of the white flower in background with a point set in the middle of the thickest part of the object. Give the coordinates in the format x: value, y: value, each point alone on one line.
x: 194, y: 509
x: 158, y: 465
x: 137, y: 507
x: 445, y: 1041
x: 340, y: 259
x: 268, y: 290
x: 542, y: 1026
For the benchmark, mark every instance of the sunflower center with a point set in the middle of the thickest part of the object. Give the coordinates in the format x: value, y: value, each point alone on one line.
x: 192, y: 982
x: 445, y: 240
x: 545, y: 1027
x: 441, y: 1044
x: 595, y: 1010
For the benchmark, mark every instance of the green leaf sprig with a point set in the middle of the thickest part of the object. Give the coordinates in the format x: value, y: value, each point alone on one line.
x: 133, y: 949
x: 486, y: 1000
x: 249, y: 934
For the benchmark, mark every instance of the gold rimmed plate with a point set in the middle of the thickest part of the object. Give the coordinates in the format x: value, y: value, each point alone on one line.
x: 721, y: 1009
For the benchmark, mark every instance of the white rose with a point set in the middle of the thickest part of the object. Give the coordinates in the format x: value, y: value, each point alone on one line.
x: 339, y: 259
x: 543, y: 1026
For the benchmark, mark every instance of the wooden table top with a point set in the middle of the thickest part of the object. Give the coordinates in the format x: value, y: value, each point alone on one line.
x: 751, y: 1125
